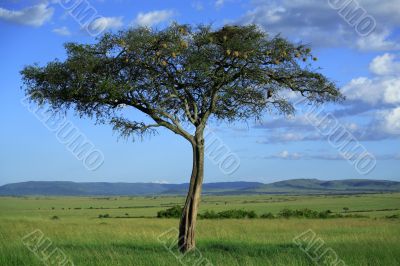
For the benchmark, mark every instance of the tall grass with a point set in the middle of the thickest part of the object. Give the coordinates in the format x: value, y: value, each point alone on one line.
x: 88, y: 240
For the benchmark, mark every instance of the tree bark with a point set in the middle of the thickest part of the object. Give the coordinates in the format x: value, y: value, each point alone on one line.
x: 187, y: 224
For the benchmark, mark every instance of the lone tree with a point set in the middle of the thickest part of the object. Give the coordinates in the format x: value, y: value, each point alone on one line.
x: 180, y: 77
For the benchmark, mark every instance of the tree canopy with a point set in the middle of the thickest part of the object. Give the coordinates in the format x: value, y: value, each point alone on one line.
x: 179, y: 75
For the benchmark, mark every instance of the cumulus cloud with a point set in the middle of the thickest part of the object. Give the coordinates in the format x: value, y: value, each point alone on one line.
x: 379, y: 125
x: 106, y: 23
x: 286, y: 155
x: 377, y: 41
x: 382, y: 88
x: 379, y: 90
x: 317, y: 22
x: 376, y: 98
x: 153, y: 18
x: 391, y: 120
x: 64, y: 31
x: 34, y: 16
x: 385, y: 64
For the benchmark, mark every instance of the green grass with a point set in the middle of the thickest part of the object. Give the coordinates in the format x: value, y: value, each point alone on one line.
x: 88, y: 240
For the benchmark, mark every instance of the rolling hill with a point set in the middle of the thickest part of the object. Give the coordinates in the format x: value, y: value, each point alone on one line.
x: 311, y: 186
x: 55, y: 188
x: 295, y: 186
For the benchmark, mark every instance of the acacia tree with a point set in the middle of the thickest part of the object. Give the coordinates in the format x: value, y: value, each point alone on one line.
x: 180, y: 76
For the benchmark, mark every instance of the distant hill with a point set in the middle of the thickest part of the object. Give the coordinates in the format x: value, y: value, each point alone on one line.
x: 309, y: 186
x: 51, y: 188
x: 295, y: 186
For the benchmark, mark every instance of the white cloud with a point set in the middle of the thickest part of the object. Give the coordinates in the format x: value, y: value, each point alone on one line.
x: 106, y: 23
x: 382, y: 93
x: 391, y: 121
x: 385, y: 64
x: 32, y: 16
x: 376, y: 97
x: 315, y: 22
x: 160, y: 182
x: 377, y: 41
x: 383, y: 88
x: 285, y: 155
x: 153, y: 18
x: 219, y: 3
x: 362, y: 88
x: 64, y: 31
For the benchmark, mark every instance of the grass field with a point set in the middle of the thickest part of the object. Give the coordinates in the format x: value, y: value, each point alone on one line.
x: 88, y: 240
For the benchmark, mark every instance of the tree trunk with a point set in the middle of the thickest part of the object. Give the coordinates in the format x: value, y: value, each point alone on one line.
x: 187, y: 224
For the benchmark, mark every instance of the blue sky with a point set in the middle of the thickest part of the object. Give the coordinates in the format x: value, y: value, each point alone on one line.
x: 367, y: 68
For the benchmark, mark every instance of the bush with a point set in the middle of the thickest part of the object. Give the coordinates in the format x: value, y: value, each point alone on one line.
x: 355, y: 216
x: 286, y: 213
x: 209, y: 215
x: 229, y: 214
x: 104, y: 215
x: 174, y: 212
x: 252, y: 215
x: 55, y: 217
x: 304, y: 213
x: 324, y: 214
x: 267, y: 215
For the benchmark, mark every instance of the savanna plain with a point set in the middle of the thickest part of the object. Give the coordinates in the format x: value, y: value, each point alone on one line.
x: 126, y: 230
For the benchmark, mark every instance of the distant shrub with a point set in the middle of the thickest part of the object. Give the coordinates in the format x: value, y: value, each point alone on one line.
x: 268, y: 215
x: 55, y: 217
x: 209, y: 215
x: 104, y: 215
x: 354, y: 216
x: 229, y: 214
x: 394, y: 216
x: 286, y: 213
x: 304, y: 213
x: 174, y: 212
x: 251, y: 215
x: 324, y: 214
